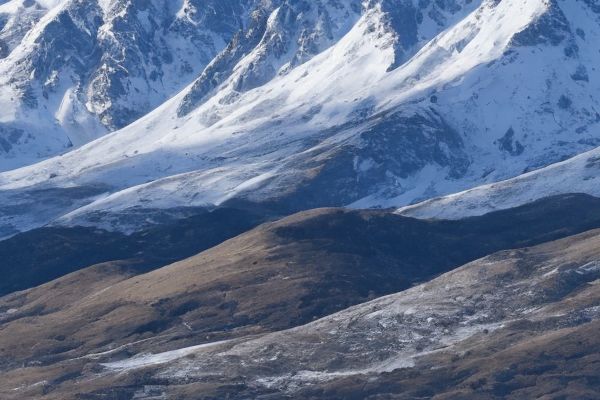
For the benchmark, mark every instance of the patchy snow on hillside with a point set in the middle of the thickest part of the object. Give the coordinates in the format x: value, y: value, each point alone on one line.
x: 487, y: 299
x: 144, y: 360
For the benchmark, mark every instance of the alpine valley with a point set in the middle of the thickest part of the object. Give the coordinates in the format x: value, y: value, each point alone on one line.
x: 299, y: 199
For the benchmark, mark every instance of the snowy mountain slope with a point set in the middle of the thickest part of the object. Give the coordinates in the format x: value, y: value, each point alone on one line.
x: 156, y: 146
x: 280, y: 38
x: 487, y: 90
x: 74, y: 70
x: 577, y: 175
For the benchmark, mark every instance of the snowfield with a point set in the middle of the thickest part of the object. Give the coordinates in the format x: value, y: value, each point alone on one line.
x: 577, y: 175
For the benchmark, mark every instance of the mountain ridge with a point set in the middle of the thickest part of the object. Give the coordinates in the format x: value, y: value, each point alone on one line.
x: 575, y: 175
x: 325, y: 134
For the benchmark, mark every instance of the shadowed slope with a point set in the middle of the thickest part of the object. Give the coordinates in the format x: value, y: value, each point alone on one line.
x: 41, y: 255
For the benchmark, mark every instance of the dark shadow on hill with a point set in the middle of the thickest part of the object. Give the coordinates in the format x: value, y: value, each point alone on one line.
x: 32, y: 258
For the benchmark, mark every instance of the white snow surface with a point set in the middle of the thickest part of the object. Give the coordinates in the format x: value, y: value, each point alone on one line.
x: 580, y: 174
x: 144, y: 360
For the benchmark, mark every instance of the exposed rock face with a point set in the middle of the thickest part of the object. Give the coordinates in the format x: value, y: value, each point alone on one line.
x: 371, y: 156
x: 170, y: 46
x: 291, y: 32
x: 280, y: 37
x: 78, y: 69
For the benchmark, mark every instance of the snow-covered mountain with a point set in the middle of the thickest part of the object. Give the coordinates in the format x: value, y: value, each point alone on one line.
x: 73, y: 70
x: 332, y: 102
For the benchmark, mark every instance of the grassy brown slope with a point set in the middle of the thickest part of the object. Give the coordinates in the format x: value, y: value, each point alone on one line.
x: 542, y: 303
x: 274, y: 277
x: 39, y: 256
x: 551, y: 352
